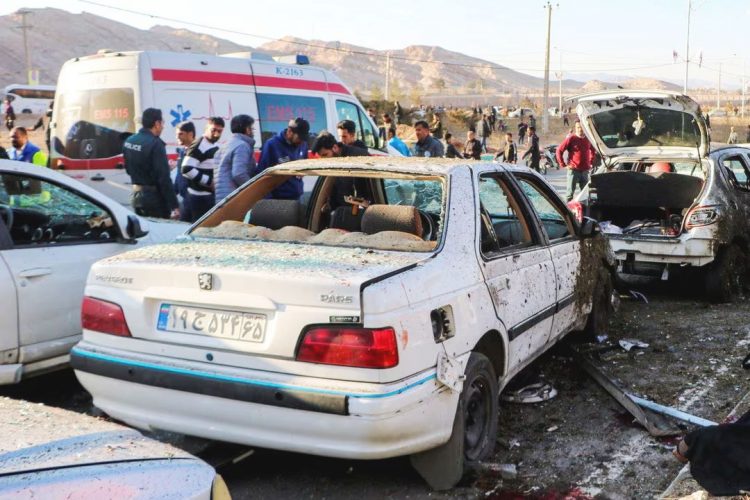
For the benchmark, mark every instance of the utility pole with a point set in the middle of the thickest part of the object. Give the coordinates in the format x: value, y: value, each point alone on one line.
x: 718, y: 90
x: 687, y: 50
x: 388, y: 76
x: 25, y: 28
x: 559, y: 76
x: 545, y: 113
x: 744, y: 84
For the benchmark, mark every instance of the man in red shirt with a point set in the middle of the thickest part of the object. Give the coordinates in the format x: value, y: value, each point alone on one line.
x: 580, y: 156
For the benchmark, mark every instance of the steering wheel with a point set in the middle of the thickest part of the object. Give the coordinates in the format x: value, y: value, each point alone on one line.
x: 428, y: 226
x: 7, y: 214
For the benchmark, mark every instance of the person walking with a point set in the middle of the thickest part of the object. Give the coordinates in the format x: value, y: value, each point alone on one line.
x: 185, y: 133
x: 450, y: 148
x: 10, y: 115
x: 201, y: 160
x: 483, y: 131
x: 43, y: 123
x: 288, y: 145
x: 436, y: 127
x: 732, y: 139
x: 580, y: 156
x: 398, y: 113
x: 532, y: 121
x: 522, y: 128
x: 472, y: 148
x: 533, y: 152
x: 237, y: 157
x: 23, y: 150
x: 509, y: 152
x: 145, y: 158
x: 395, y: 142
x: 426, y: 146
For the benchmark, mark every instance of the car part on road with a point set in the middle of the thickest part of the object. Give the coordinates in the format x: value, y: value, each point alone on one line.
x: 671, y: 412
x: 533, y: 393
x: 726, y: 278
x: 656, y: 424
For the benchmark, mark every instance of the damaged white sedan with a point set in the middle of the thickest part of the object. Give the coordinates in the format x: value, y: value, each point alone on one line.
x: 377, y: 317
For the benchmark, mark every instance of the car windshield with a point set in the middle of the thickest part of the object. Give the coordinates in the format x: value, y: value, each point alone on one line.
x: 365, y: 209
x: 633, y: 126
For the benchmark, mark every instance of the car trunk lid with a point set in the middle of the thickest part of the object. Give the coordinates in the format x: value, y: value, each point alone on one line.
x: 653, y: 124
x: 248, y: 297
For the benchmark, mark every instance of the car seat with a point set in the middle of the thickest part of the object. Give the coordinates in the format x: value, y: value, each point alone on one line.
x: 275, y: 214
x: 403, y: 218
x: 343, y: 218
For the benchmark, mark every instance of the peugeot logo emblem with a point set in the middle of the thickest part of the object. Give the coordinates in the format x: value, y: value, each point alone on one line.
x: 206, y: 281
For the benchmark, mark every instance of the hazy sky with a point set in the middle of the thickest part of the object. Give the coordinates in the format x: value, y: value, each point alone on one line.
x: 629, y: 38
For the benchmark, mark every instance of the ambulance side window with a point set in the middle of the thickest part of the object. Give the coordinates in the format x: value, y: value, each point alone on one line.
x: 365, y: 131
x: 275, y: 111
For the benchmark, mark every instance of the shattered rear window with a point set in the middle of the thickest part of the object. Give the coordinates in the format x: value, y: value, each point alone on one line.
x: 633, y: 126
x: 365, y: 209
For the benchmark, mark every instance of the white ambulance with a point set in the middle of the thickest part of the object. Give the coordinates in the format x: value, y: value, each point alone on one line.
x: 100, y: 99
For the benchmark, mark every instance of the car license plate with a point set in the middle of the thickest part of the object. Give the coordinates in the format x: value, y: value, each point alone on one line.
x: 234, y: 325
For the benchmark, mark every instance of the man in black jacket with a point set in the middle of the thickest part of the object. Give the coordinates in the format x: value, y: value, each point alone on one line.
x: 347, y: 131
x: 145, y: 158
x: 326, y: 146
x: 472, y: 148
x: 533, y: 151
x: 450, y: 148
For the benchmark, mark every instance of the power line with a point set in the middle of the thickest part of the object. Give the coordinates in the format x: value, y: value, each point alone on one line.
x: 488, y: 65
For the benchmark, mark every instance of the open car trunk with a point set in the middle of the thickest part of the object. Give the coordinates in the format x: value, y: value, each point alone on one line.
x: 642, y: 204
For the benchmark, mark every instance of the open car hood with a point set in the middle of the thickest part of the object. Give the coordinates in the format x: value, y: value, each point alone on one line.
x: 644, y: 124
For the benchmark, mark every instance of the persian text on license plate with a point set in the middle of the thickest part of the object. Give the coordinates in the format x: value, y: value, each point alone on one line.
x: 249, y: 327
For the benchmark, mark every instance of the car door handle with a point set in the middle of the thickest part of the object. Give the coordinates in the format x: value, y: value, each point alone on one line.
x: 35, y: 272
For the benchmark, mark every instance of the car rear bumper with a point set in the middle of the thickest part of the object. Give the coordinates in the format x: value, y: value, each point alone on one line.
x: 689, y: 251
x: 367, y: 421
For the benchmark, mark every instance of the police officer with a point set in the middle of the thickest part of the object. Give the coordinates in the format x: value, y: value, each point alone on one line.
x: 146, y: 163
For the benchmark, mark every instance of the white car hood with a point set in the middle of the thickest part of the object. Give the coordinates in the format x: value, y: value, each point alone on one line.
x: 644, y: 124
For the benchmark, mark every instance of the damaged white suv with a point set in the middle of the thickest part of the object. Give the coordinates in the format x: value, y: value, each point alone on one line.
x: 377, y: 317
x: 664, y: 200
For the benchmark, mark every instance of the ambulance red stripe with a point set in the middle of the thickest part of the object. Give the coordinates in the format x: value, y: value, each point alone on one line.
x: 180, y: 75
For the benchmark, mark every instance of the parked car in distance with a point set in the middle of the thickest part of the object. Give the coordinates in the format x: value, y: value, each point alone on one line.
x: 718, y: 112
x: 52, y: 228
x: 665, y: 200
x: 54, y: 453
x: 520, y: 113
x: 367, y: 326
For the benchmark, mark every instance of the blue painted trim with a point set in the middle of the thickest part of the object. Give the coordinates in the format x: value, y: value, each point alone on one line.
x: 260, y: 383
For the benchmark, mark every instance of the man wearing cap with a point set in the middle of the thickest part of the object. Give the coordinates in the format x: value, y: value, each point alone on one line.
x: 288, y: 145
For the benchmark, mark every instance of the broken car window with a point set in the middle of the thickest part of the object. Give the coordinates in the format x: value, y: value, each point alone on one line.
x: 500, y: 211
x: 555, y: 223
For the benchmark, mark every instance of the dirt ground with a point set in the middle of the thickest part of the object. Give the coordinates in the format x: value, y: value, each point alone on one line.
x: 582, y: 444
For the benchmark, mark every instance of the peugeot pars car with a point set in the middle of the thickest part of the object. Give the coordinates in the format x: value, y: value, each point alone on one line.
x: 52, y: 228
x: 378, y: 317
x: 667, y: 202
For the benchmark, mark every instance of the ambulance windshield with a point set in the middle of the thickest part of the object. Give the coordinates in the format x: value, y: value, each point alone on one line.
x: 92, y: 124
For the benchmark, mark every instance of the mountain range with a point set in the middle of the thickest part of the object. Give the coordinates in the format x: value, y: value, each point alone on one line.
x: 417, y: 69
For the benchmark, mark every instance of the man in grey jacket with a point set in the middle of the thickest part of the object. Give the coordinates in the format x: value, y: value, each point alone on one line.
x: 237, y: 159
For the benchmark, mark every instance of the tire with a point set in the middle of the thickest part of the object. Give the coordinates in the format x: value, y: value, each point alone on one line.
x: 479, y: 401
x: 601, y: 306
x: 474, y: 429
x: 726, y: 277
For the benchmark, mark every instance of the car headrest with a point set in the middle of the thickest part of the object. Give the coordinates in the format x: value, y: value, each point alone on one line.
x: 275, y: 214
x: 404, y: 218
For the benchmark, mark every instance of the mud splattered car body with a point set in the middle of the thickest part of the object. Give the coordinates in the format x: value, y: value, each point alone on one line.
x: 369, y: 343
x: 665, y: 201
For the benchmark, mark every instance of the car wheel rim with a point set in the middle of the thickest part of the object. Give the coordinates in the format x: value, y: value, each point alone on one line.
x: 477, y: 414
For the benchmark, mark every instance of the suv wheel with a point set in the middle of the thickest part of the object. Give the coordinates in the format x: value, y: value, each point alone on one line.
x: 726, y: 277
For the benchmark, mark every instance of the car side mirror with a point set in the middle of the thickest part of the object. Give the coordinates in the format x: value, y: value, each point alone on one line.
x: 134, y: 228
x: 589, y: 228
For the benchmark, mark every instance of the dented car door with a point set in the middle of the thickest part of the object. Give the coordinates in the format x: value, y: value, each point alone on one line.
x: 517, y: 267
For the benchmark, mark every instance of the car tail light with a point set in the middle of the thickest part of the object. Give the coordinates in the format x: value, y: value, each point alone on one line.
x: 702, y: 216
x: 105, y: 317
x: 349, y: 346
x: 577, y: 208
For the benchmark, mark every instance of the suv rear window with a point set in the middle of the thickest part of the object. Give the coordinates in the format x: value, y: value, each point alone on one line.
x: 657, y: 127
